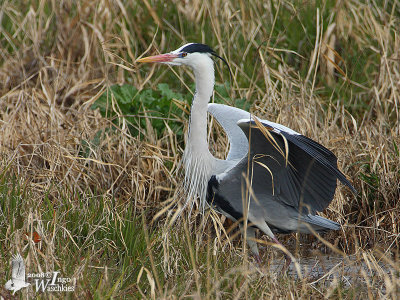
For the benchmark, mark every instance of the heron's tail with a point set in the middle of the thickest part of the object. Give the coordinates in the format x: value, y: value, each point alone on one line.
x: 320, y: 224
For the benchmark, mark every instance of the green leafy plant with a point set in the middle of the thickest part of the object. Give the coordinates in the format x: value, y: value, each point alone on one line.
x: 127, y: 103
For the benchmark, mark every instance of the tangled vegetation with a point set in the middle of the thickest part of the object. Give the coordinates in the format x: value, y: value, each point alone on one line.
x: 90, y: 144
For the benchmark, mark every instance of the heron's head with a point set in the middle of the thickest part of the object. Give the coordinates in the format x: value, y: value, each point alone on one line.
x: 192, y: 55
x: 9, y: 285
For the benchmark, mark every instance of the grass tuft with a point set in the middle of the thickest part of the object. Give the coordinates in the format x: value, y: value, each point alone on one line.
x: 90, y: 144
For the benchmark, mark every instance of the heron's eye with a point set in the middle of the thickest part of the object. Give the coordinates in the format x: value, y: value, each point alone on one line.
x: 183, y: 54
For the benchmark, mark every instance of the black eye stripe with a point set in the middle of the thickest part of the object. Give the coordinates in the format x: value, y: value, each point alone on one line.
x: 201, y: 48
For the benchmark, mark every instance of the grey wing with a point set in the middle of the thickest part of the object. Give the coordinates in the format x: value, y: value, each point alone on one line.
x: 18, y: 268
x: 228, y: 117
x: 305, y: 181
x: 314, y: 150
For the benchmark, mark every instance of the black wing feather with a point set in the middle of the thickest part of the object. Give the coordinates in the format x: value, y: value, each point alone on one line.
x: 308, y: 181
x: 321, y: 154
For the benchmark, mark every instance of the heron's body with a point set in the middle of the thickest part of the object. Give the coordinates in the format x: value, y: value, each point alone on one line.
x: 274, y: 176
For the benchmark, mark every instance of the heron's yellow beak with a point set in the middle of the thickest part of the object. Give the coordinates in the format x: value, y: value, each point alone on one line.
x: 158, y: 58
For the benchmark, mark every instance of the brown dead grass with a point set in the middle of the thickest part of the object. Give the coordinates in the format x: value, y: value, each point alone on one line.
x: 54, y: 68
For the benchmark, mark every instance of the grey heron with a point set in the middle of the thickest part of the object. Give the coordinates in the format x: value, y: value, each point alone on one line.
x: 288, y: 177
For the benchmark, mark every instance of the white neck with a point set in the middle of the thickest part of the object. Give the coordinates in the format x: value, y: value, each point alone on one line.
x: 197, y: 158
x: 197, y: 139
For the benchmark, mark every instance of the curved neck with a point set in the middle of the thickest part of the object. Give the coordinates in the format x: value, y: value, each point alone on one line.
x: 198, y: 161
x: 204, y: 77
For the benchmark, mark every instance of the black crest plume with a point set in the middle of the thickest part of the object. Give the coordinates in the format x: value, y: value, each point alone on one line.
x: 203, y: 48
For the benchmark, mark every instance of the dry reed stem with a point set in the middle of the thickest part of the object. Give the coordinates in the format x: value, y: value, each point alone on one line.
x: 55, y: 145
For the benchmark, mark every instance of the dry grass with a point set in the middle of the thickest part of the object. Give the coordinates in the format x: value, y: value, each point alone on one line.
x: 91, y: 190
